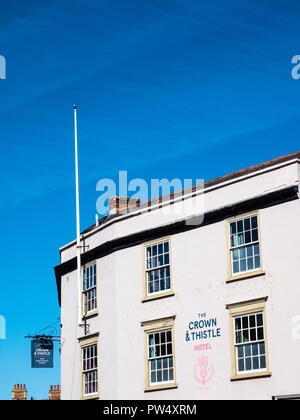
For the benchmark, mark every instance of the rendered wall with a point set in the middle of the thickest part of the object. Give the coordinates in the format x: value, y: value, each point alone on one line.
x: 199, y: 272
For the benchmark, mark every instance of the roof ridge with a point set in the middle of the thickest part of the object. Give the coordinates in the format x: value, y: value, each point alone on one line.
x: 234, y: 174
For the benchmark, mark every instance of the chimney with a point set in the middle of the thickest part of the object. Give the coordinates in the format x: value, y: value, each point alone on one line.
x: 19, y: 392
x: 121, y: 204
x: 54, y: 393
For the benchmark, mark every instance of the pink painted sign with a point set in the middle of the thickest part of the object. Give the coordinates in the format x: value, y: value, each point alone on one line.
x: 203, y: 372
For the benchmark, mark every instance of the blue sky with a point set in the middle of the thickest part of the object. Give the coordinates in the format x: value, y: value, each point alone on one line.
x: 172, y: 88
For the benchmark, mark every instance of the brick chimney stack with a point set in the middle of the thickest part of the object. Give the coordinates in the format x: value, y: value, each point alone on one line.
x: 119, y: 204
x: 19, y: 392
x: 54, y: 393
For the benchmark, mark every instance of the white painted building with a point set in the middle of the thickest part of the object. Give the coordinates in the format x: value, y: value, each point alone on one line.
x: 177, y: 307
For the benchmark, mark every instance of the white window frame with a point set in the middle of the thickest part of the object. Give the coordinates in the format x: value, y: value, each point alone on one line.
x: 91, y: 370
x: 152, y: 327
x: 245, y: 245
x: 255, y: 271
x: 161, y: 357
x: 250, y: 342
x: 151, y: 269
x: 237, y: 310
x: 85, y: 342
x: 87, y: 291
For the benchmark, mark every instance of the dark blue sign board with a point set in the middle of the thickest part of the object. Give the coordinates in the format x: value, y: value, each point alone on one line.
x: 42, y: 354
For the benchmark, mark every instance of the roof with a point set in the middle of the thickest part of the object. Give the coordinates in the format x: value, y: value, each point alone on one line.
x: 213, y: 182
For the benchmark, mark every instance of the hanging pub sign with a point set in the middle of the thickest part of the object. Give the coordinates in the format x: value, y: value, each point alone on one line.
x: 42, y: 353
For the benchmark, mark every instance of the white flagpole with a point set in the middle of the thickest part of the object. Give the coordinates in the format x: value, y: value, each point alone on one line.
x: 77, y: 221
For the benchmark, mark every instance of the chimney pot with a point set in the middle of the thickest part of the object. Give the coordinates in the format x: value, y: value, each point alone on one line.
x: 19, y: 392
x: 54, y: 393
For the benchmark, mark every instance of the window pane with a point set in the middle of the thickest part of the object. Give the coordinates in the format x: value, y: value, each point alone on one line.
x: 260, y: 333
x: 261, y: 348
x: 150, y: 288
x: 253, y: 334
x: 233, y: 227
x: 249, y: 251
x: 243, y: 265
x: 250, y: 263
x: 240, y: 239
x: 254, y: 235
x: 245, y: 336
x: 262, y: 362
x: 248, y: 363
x: 254, y: 349
x: 247, y: 224
x: 237, y: 323
x: 254, y: 222
x: 240, y: 351
x: 248, y: 350
x: 241, y: 365
x: 259, y: 319
x: 255, y: 363
x: 256, y: 249
x: 233, y: 241
x: 240, y: 227
x: 151, y: 352
x: 245, y: 322
x: 236, y: 267
x: 247, y: 237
